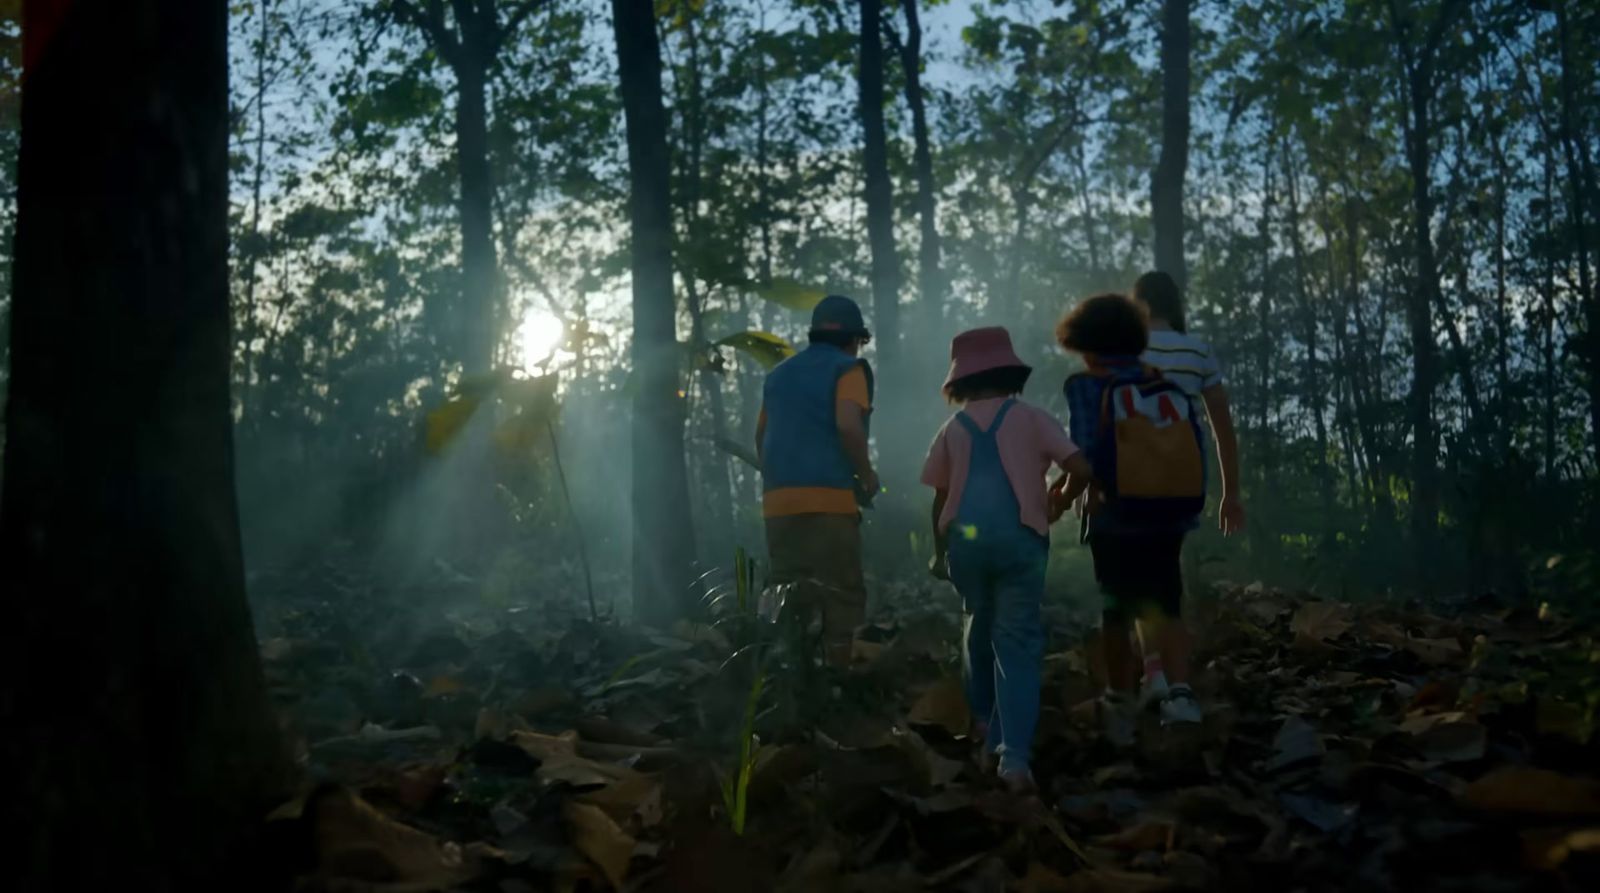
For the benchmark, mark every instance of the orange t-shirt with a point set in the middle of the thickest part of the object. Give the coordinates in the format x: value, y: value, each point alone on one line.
x: 852, y: 388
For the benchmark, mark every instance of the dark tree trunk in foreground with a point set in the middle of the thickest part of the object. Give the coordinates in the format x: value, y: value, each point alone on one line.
x: 663, y: 539
x: 930, y: 282
x: 1418, y: 64
x: 1166, y: 188
x: 885, y: 321
x: 136, y: 723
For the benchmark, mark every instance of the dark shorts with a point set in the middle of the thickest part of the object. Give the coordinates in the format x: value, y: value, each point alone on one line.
x: 821, y: 555
x: 1138, y: 573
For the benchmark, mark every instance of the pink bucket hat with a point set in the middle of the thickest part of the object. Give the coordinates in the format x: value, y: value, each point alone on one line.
x: 979, y: 350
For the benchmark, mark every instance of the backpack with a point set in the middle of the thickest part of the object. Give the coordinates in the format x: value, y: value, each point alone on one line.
x: 1149, y: 453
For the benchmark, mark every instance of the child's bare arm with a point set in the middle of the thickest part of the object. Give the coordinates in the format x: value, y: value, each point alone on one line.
x: 1231, y: 511
x: 940, y: 540
x: 1079, y: 474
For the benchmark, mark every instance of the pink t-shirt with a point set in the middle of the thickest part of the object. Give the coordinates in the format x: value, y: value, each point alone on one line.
x: 1029, y: 441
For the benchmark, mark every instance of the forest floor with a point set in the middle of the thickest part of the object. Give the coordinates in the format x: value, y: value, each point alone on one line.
x: 517, y: 749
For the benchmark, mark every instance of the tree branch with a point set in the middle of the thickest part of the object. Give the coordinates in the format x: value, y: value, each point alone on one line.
x: 432, y: 26
x: 514, y: 20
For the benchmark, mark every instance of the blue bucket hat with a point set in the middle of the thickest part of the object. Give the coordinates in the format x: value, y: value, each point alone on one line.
x: 837, y: 313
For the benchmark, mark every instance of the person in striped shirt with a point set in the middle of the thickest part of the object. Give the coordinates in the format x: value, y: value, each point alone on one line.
x: 1188, y: 362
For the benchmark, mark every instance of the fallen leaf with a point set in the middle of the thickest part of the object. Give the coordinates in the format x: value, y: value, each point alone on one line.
x: 1435, y: 651
x: 817, y: 869
x: 1564, y: 719
x: 600, y: 839
x: 1534, y: 792
x: 354, y: 841
x: 1041, y: 879
x: 547, y: 747
x: 864, y: 652
x: 1320, y: 622
x: 636, y: 797
x: 1447, y: 737
x: 1547, y: 850
x: 944, y: 704
x: 1140, y: 837
x: 1297, y: 742
x: 1317, y: 812
x: 1105, y: 880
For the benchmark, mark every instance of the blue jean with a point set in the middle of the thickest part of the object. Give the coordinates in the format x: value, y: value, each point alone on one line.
x: 1001, y: 582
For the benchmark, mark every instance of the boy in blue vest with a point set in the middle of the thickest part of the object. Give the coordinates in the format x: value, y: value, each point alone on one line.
x: 811, y: 438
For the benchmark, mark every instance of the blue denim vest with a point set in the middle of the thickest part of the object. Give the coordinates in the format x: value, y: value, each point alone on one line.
x: 801, y: 447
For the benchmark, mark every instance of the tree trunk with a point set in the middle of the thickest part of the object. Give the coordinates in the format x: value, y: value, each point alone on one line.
x: 663, y: 538
x: 134, y: 706
x: 1417, y: 90
x: 252, y: 254
x: 714, y: 461
x: 1547, y: 326
x: 1166, y: 192
x: 1315, y: 398
x: 1580, y: 170
x: 880, y: 198
x: 930, y: 281
x: 480, y: 273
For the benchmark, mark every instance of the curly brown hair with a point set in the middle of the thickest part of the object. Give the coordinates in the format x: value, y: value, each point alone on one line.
x: 1105, y: 324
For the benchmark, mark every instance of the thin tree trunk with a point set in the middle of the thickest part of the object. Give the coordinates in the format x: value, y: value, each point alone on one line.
x: 715, y: 461
x: 1418, y: 84
x: 1547, y: 324
x: 1580, y: 170
x: 1091, y: 236
x: 480, y: 274
x: 1166, y: 193
x: 253, y: 253
x: 879, y: 194
x: 1314, y: 395
x: 930, y: 281
x: 134, y: 705
x: 663, y: 538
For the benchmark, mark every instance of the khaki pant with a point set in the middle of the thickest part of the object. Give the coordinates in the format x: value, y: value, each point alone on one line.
x: 821, y: 556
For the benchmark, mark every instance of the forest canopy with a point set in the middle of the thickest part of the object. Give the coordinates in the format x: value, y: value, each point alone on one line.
x: 1385, y: 214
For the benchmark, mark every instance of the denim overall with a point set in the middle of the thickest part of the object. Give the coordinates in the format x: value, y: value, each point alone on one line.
x: 998, y: 566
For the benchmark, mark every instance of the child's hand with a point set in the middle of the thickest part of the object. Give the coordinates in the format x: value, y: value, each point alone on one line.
x: 1057, y: 499
x: 939, y: 567
x: 1230, y: 515
x: 1089, y: 502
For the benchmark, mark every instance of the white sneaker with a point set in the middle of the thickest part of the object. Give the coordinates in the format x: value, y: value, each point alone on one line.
x: 1152, y: 691
x: 1180, y: 706
x: 1118, y: 718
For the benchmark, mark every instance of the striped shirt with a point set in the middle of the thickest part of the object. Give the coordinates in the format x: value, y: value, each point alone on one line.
x: 1184, y: 359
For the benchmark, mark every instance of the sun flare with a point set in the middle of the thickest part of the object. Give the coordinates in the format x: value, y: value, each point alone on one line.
x: 537, y: 338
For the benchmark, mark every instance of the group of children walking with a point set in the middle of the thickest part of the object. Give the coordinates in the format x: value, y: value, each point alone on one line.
x: 1133, y: 465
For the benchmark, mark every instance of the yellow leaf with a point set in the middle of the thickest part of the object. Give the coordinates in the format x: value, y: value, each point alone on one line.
x: 598, y: 837
x: 444, y: 423
x: 443, y: 685
x: 1319, y: 622
x: 1522, y: 789
x: 791, y: 294
x: 943, y: 704
x: 764, y: 347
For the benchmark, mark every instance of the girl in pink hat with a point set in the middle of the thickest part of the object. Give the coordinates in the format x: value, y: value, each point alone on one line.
x: 991, y: 526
